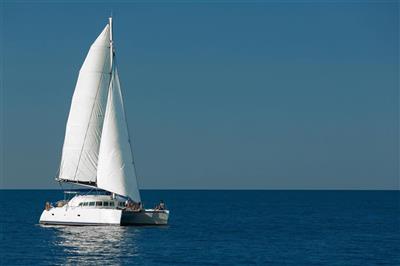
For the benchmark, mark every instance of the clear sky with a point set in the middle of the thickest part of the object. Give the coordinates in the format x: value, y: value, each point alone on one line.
x: 218, y: 95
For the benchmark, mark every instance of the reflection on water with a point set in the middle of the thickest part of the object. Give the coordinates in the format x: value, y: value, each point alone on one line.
x: 83, y: 245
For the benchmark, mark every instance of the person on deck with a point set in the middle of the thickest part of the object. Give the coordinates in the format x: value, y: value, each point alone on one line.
x: 161, y: 206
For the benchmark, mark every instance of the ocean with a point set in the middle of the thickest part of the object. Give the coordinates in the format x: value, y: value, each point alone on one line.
x: 214, y: 227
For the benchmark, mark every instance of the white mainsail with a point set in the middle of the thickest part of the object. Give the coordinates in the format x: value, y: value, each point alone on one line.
x: 116, y: 169
x: 97, y: 148
x: 85, y: 121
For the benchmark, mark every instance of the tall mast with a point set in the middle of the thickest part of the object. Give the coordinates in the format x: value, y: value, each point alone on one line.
x: 111, y: 43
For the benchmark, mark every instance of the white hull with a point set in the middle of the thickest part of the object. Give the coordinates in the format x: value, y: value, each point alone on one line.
x: 74, y: 213
x: 70, y: 216
x: 77, y: 216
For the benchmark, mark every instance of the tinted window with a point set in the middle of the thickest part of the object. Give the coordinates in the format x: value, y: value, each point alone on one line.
x: 80, y: 204
x: 85, y: 203
x: 112, y: 203
x: 99, y: 203
x: 91, y: 203
x: 105, y: 203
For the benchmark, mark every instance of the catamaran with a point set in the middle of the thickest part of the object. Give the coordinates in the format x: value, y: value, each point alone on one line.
x: 97, y: 150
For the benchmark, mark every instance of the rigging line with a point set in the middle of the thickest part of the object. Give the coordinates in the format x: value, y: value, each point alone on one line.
x: 59, y: 166
x: 87, y: 129
x: 60, y: 184
x: 89, y: 191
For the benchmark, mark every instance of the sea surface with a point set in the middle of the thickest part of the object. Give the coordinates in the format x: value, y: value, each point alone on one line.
x: 213, y: 227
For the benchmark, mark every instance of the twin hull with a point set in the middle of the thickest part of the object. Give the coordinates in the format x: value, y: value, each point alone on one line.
x: 67, y: 215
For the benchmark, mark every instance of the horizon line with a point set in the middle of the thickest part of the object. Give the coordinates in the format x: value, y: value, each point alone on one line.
x: 230, y: 189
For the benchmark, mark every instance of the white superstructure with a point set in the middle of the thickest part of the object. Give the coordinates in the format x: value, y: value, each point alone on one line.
x: 97, y: 148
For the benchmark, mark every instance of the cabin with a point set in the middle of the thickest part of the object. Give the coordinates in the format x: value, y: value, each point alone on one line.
x: 96, y: 201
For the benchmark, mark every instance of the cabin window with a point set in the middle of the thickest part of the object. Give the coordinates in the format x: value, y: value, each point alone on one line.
x: 105, y: 203
x: 121, y: 204
x: 99, y: 203
x: 91, y: 203
x: 112, y: 203
x: 80, y: 204
x: 85, y: 203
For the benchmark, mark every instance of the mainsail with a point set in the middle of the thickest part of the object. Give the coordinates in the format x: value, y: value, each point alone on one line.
x: 85, y: 121
x: 96, y: 147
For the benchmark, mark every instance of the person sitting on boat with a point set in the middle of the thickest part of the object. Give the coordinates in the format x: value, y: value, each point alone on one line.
x: 48, y: 206
x: 137, y: 207
x: 161, y: 206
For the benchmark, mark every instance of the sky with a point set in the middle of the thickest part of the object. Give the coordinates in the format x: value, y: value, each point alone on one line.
x: 218, y: 95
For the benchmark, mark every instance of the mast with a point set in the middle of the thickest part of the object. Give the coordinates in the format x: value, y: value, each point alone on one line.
x: 115, y: 169
x: 111, y: 45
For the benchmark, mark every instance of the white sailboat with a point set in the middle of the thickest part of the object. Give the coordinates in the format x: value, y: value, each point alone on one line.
x: 97, y: 150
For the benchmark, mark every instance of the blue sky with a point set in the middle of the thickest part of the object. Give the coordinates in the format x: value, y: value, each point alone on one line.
x: 262, y: 95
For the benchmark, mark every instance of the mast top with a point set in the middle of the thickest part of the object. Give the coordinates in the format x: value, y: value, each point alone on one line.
x: 110, y: 23
x: 111, y: 43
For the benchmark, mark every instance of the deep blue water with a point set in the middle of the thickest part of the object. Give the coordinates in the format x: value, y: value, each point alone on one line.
x: 215, y: 227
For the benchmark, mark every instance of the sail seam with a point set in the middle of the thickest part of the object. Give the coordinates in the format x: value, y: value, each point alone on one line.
x: 90, y: 118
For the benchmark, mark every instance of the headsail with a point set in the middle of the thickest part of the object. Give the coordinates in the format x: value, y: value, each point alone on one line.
x: 85, y: 121
x: 116, y: 169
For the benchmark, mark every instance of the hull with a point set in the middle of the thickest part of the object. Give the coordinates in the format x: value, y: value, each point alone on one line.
x: 78, y: 216
x: 100, y: 210
x: 145, y: 217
